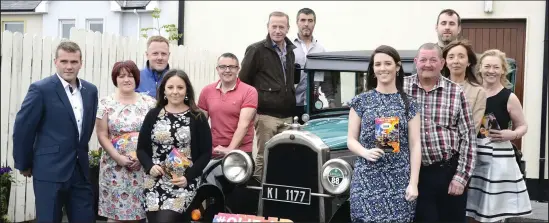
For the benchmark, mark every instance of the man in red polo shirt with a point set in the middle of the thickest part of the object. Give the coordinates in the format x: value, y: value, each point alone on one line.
x: 231, y: 106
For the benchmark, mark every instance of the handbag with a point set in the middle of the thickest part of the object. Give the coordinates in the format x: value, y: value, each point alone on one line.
x: 521, y: 163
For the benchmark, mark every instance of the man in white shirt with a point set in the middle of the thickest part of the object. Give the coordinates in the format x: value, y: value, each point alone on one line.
x: 50, y: 139
x: 306, y: 44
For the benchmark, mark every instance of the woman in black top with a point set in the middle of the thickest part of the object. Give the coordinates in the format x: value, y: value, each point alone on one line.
x: 174, y: 147
x: 497, y: 190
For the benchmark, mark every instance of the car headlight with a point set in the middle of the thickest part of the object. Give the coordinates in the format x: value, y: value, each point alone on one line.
x: 237, y: 166
x: 305, y: 117
x: 336, y: 176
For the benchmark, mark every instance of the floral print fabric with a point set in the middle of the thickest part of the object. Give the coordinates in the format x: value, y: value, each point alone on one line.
x: 378, y: 188
x: 120, y: 188
x: 171, y: 131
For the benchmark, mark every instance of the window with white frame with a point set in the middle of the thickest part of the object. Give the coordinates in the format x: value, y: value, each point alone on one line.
x: 14, y: 26
x: 65, y: 26
x: 95, y: 25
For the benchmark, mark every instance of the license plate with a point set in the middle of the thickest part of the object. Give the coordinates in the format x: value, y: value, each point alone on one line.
x: 282, y: 193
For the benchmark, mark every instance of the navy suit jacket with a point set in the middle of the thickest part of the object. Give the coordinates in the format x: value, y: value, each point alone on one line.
x: 45, y: 134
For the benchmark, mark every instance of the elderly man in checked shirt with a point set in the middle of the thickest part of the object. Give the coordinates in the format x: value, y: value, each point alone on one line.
x: 448, y: 139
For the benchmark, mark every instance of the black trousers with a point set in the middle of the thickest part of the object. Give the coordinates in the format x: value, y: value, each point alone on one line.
x: 434, y: 204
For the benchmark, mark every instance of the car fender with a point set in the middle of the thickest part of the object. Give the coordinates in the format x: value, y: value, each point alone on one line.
x: 210, y: 197
x: 213, y: 174
x: 210, y: 200
x: 343, y: 213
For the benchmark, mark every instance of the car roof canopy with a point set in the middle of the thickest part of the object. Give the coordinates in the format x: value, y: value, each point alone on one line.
x: 357, y: 60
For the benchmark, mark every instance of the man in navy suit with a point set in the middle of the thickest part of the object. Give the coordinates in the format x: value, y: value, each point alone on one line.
x: 50, y: 139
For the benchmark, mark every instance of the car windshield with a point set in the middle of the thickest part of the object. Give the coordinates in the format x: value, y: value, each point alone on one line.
x: 333, y: 90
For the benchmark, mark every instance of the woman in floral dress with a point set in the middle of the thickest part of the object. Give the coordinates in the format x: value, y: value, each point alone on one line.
x: 119, y: 119
x: 384, y: 183
x: 174, y: 146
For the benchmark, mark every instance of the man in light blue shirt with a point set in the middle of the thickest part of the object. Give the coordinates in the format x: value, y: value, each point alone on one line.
x: 306, y: 44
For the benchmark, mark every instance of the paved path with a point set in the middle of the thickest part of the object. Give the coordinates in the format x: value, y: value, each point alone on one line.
x: 539, y: 214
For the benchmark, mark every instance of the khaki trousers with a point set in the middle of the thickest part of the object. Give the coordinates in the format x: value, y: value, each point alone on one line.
x: 265, y: 128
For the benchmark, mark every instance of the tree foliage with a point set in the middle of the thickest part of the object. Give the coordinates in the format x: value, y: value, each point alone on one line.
x: 170, y: 29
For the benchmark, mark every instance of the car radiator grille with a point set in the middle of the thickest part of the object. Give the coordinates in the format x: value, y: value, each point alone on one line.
x: 293, y: 165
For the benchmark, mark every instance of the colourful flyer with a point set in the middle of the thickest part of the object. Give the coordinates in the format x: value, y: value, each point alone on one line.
x: 488, y: 123
x: 224, y: 217
x: 386, y: 134
x: 176, y: 163
x: 126, y: 143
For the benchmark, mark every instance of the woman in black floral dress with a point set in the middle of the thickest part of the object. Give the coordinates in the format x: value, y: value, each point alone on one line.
x: 174, y: 147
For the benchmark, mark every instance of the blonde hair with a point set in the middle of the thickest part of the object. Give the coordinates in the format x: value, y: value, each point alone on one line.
x: 504, y: 66
x: 159, y: 39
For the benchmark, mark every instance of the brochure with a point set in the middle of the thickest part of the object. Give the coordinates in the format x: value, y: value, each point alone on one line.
x: 386, y: 134
x: 488, y: 123
x: 176, y: 163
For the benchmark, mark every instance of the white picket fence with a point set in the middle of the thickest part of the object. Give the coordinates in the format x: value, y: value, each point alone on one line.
x: 27, y: 58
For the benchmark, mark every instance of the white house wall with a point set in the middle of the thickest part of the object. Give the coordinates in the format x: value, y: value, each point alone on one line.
x: 80, y: 11
x: 130, y: 25
x: 33, y: 23
x: 359, y: 25
x: 169, y: 12
x: 168, y: 15
x: 118, y: 23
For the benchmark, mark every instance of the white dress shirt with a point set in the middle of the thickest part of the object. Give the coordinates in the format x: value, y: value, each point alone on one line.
x: 301, y: 51
x: 75, y: 98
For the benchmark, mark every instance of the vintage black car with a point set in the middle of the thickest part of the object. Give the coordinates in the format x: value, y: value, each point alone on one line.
x: 308, y: 168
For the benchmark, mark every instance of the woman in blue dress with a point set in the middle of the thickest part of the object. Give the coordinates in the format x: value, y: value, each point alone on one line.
x: 384, y: 183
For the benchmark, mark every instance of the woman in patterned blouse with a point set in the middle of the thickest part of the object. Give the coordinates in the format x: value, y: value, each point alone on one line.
x: 174, y: 146
x: 119, y: 119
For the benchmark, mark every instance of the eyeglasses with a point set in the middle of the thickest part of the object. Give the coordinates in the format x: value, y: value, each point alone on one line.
x: 224, y: 67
